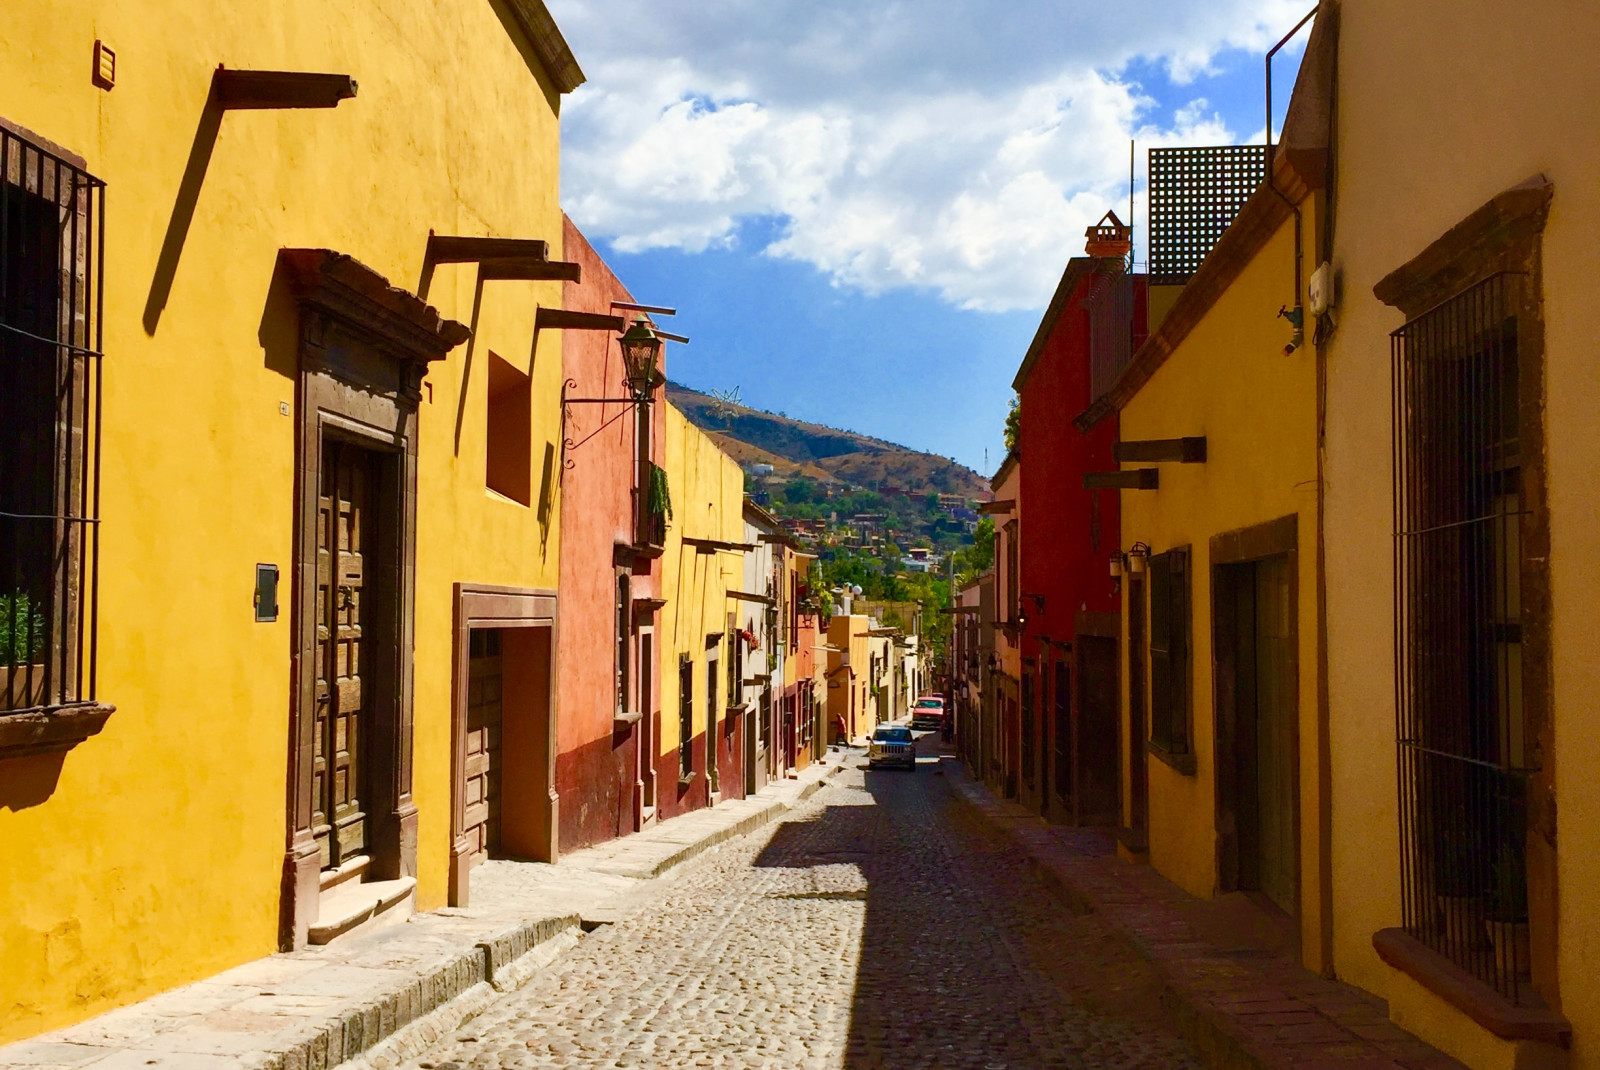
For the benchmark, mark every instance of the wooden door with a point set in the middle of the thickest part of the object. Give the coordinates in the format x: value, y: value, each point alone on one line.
x: 483, y: 766
x: 1096, y: 781
x: 1136, y: 822
x: 1275, y: 757
x: 344, y: 521
x: 1063, y: 733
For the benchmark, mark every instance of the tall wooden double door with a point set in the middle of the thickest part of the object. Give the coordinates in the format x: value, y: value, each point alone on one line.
x: 344, y: 655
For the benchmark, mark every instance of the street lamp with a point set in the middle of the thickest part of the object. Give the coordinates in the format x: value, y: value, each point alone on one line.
x: 640, y: 348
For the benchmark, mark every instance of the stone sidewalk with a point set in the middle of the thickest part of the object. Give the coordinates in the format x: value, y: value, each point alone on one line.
x: 1229, y: 980
x: 382, y: 996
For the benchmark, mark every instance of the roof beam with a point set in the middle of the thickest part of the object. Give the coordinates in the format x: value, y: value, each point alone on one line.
x: 461, y: 249
x: 279, y: 89
x: 563, y: 319
x: 1183, y: 450
x: 1133, y: 479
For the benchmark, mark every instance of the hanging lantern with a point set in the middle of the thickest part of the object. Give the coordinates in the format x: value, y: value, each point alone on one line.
x: 640, y: 348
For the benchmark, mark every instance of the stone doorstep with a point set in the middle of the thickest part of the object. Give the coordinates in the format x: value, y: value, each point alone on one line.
x: 350, y: 904
x: 1251, y: 1012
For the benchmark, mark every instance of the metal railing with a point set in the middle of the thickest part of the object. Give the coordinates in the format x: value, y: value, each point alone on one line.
x: 51, y: 263
x: 1460, y: 733
x: 653, y: 506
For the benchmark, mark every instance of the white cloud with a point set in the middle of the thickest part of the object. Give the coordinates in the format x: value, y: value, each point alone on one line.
x: 956, y: 144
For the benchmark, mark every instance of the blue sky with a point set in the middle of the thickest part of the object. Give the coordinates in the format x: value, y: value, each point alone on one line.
x: 860, y: 214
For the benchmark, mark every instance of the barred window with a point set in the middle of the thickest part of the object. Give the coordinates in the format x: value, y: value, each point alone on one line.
x: 735, y: 664
x: 1169, y: 651
x: 1463, y: 755
x: 50, y: 300
x: 1027, y: 727
x: 624, y: 627
x: 685, y: 717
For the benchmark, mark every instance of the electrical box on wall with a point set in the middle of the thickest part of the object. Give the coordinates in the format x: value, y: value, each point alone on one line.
x: 1319, y: 291
x: 266, y: 597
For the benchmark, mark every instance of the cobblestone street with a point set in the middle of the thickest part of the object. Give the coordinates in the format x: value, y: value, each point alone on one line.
x: 879, y: 926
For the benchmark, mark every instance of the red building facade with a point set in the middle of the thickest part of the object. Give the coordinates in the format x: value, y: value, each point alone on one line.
x: 608, y: 689
x: 1068, y: 599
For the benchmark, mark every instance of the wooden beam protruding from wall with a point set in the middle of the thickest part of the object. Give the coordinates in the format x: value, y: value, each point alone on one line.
x: 1134, y: 479
x: 464, y: 249
x: 236, y: 90
x: 527, y: 269
x: 576, y: 321
x: 1183, y: 450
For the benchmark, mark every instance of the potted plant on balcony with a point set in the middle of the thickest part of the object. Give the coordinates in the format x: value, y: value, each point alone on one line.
x: 22, y: 636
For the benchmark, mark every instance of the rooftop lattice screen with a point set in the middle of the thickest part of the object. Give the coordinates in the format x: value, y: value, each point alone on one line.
x: 1195, y: 193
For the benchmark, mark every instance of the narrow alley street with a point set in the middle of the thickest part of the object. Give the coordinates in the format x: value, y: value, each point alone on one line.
x: 881, y: 925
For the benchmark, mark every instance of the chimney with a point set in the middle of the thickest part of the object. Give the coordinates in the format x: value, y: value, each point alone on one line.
x: 1109, y: 238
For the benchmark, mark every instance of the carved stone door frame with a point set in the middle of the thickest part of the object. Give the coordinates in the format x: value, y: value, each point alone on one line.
x: 363, y: 349
x: 530, y: 806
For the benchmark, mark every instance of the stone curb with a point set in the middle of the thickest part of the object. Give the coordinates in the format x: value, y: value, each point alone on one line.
x: 381, y: 1030
x: 360, y: 1029
x: 1217, y: 1037
x: 773, y: 810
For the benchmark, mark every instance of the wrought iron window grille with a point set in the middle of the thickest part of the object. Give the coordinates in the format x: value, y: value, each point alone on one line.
x: 1464, y: 759
x: 51, y: 301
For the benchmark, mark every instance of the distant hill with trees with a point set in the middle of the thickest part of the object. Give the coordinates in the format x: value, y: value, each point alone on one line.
x: 795, y: 448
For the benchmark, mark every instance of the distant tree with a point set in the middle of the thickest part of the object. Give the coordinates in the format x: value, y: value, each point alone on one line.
x: 1013, y: 425
x: 972, y: 561
x: 800, y: 490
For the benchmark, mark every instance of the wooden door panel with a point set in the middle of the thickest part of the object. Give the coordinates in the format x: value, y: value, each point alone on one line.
x: 481, y: 792
x: 1275, y: 711
x: 343, y: 513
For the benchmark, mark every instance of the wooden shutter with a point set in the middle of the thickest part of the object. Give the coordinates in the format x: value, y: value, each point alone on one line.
x: 1169, y: 651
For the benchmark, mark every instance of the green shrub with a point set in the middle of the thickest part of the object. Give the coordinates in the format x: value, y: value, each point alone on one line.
x: 22, y: 629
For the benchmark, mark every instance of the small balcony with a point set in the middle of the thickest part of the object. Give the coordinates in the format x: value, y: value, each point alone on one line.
x: 652, y: 508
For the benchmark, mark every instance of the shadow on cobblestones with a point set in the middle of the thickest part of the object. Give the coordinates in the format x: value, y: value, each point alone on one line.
x: 880, y: 926
x: 964, y: 960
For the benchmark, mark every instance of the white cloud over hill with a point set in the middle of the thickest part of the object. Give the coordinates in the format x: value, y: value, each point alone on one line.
x: 955, y: 144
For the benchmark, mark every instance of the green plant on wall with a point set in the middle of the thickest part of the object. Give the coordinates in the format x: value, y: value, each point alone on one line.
x: 22, y: 629
x: 660, y: 493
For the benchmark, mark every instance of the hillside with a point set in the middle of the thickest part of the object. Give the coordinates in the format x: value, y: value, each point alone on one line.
x: 796, y: 448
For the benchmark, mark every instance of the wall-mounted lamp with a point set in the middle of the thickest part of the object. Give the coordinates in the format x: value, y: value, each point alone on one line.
x: 640, y: 344
x: 1138, y: 554
x: 640, y: 348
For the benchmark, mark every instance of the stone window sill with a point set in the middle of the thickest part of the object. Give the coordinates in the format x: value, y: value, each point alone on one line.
x: 623, y: 722
x: 50, y: 729
x: 1181, y: 762
x: 1509, y: 1021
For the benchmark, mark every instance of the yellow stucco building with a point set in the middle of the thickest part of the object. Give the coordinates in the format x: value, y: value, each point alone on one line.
x: 1461, y: 653
x: 308, y: 503
x: 1223, y: 754
x: 698, y: 745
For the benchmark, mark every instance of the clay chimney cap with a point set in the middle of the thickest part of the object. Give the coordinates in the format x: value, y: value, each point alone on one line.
x: 1109, y: 237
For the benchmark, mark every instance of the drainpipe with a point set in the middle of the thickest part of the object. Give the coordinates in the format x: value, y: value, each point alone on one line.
x: 1294, y: 313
